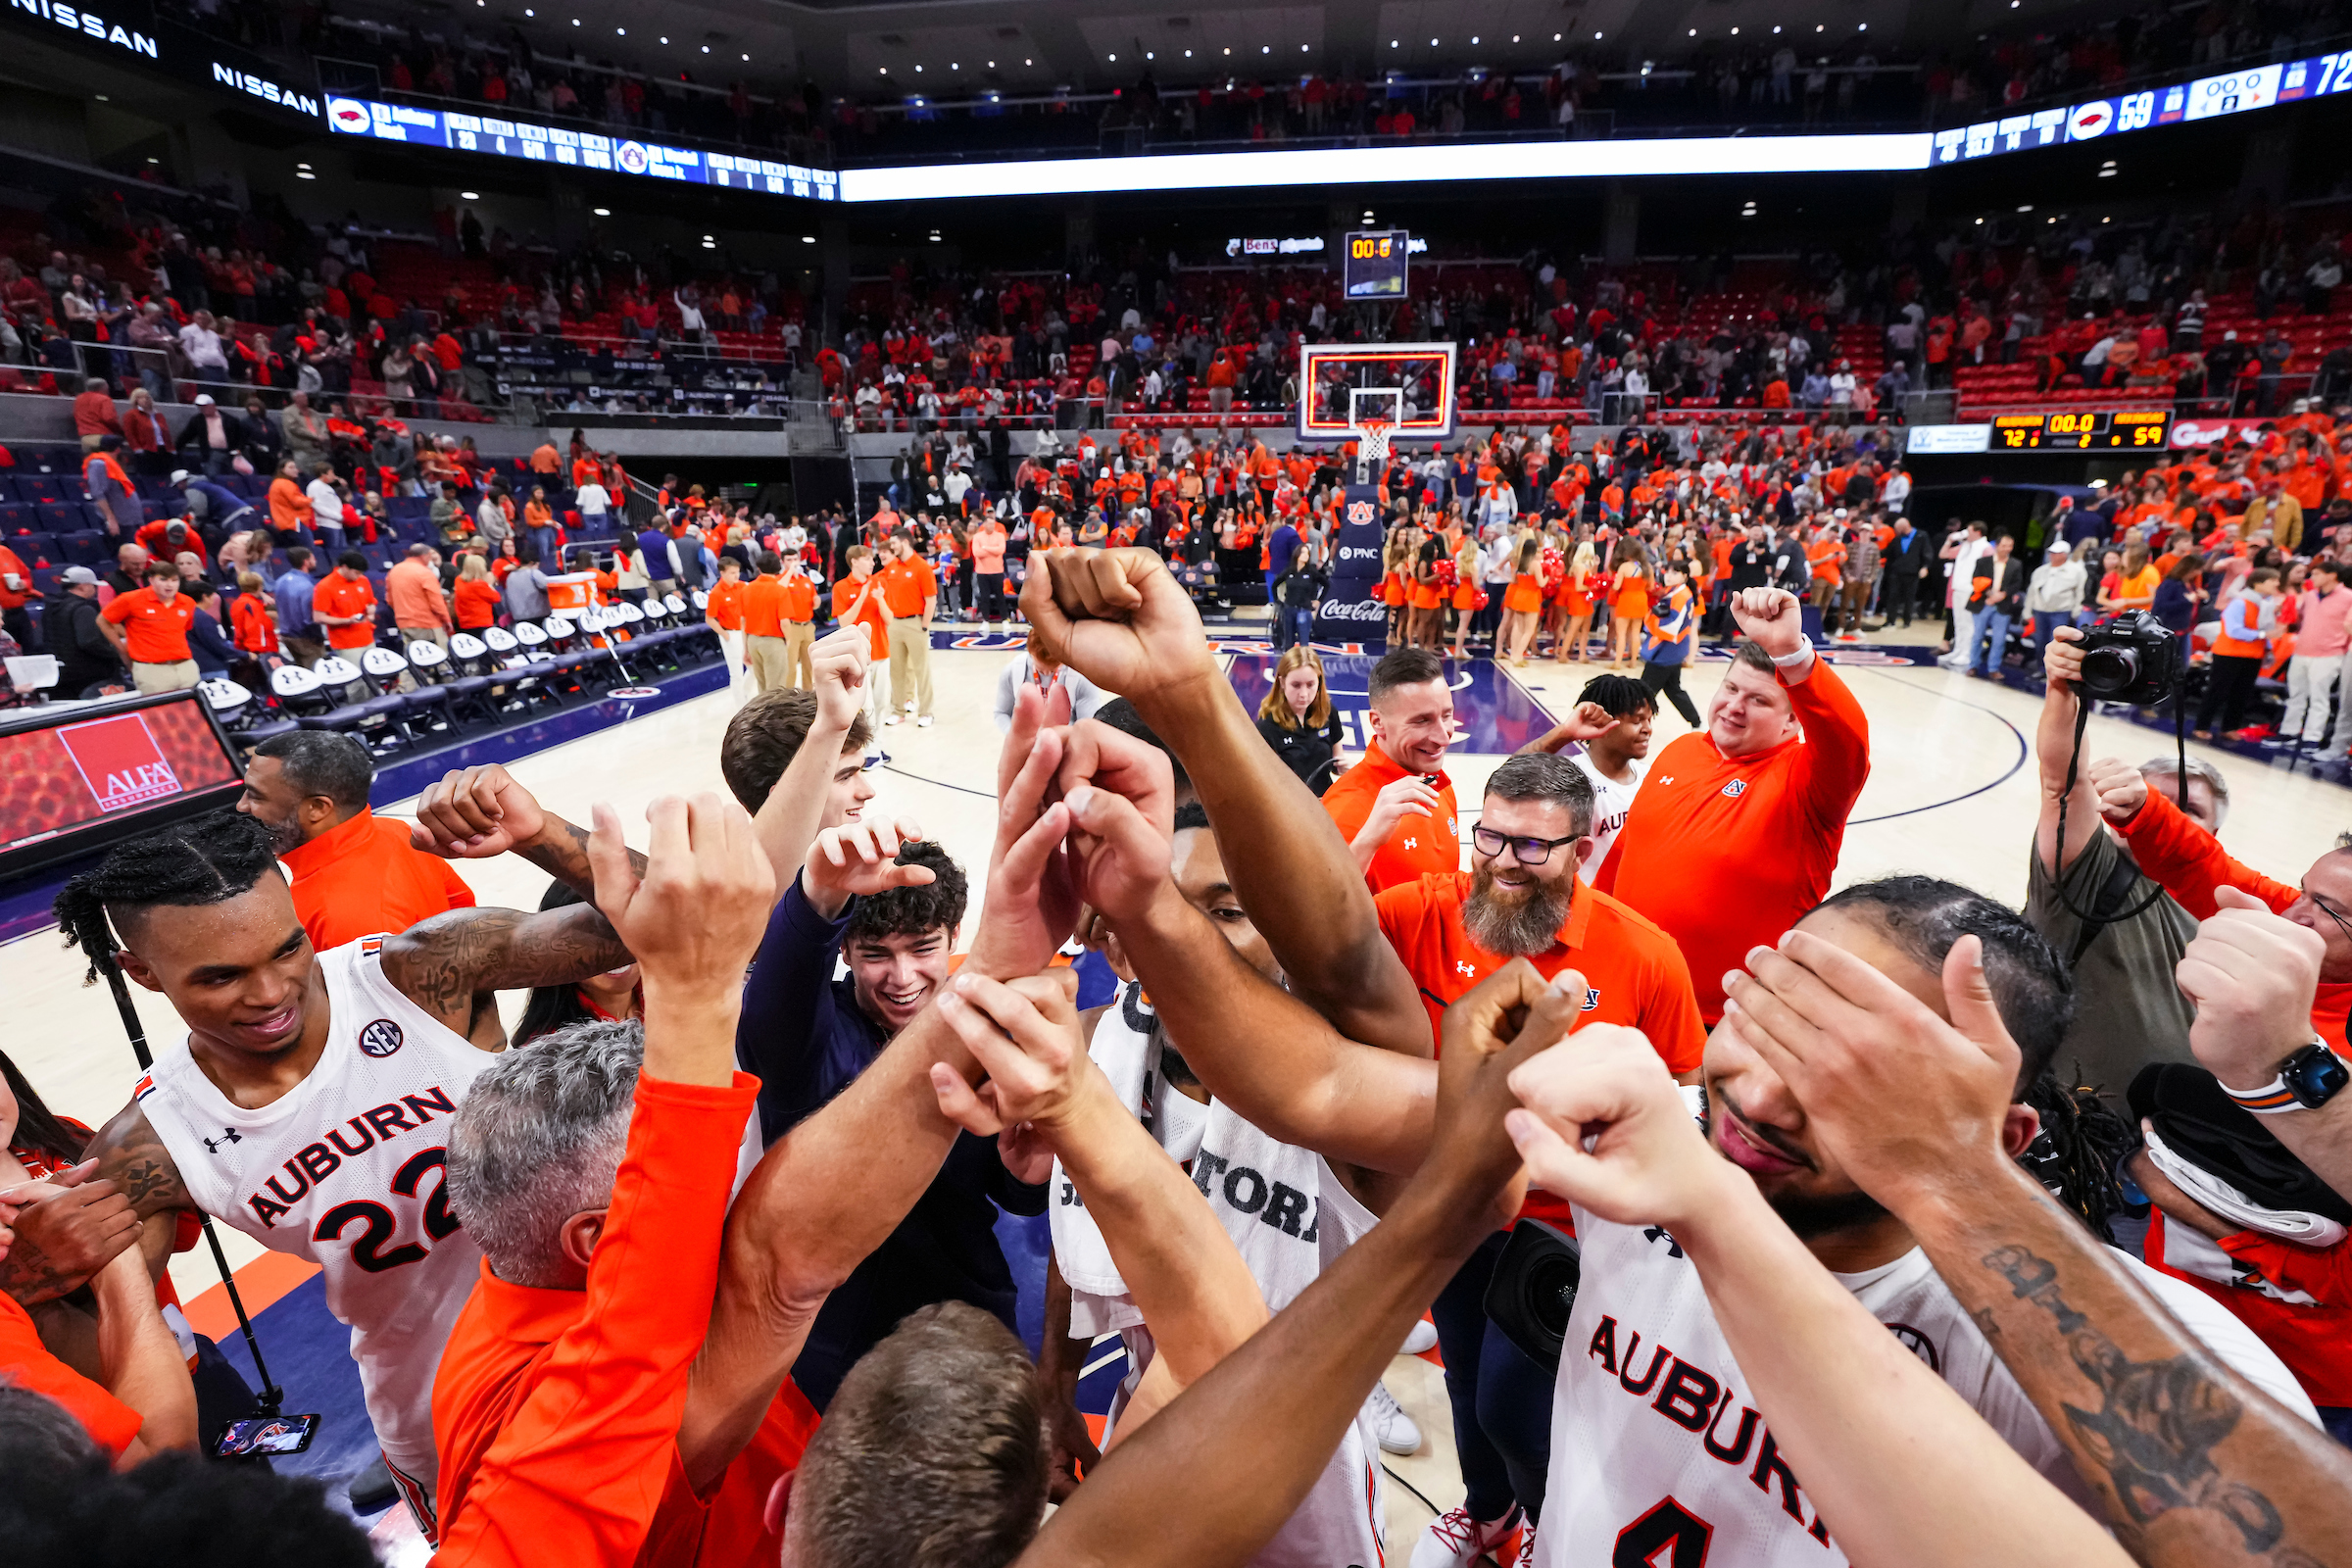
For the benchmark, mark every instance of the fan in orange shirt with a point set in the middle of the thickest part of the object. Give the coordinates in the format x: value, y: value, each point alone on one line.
x: 1757, y: 801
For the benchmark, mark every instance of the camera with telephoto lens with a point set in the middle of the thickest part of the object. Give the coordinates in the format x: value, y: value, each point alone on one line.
x: 2131, y: 658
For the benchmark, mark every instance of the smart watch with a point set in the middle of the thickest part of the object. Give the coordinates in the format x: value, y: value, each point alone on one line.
x: 2306, y: 1080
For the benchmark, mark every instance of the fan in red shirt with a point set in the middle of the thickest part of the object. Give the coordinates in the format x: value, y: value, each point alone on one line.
x: 1736, y: 831
x: 1396, y: 807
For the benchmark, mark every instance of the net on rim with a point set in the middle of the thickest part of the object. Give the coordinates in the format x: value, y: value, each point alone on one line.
x: 1372, y: 440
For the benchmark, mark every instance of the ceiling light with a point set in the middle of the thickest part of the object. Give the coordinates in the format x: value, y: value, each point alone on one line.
x: 1150, y: 55
x: 470, y: 195
x: 1114, y: 57
x: 1187, y: 54
x: 885, y: 69
x: 1980, y: 222
x: 528, y: 11
x: 1735, y: 33
x: 1776, y: 29
x: 1596, y: 37
x: 1693, y: 33
x: 602, y: 212
x: 1474, y: 37
x: 2026, y: 208
x: 102, y: 98
x: 159, y: 159
x: 1862, y: 26
x: 747, y: 60
x: 665, y: 41
x: 957, y: 65
x: 706, y: 48
x: 1433, y: 43
x: 1818, y: 27
x: 298, y: 164
x: 1302, y: 48
x: 2106, y: 220
x: 1266, y: 48
x: 710, y: 244
x: 1392, y: 44
x: 918, y: 70
x: 1229, y: 49
x: 1514, y: 37
x: 622, y: 31
x: 992, y: 65
x: 807, y: 239
x: 304, y: 174
x: 1028, y: 62
x: 575, y: 22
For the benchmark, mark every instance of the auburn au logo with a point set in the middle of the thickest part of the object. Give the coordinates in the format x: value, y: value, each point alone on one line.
x: 1735, y: 789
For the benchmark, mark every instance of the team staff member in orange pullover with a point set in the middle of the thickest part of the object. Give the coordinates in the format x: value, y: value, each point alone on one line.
x: 911, y: 593
x: 799, y: 610
x: 858, y: 600
x: 764, y: 626
x: 1736, y: 831
x: 354, y: 872
x: 724, y: 609
x: 1396, y: 807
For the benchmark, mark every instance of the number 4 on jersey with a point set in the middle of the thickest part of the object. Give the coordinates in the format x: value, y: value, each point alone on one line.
x: 1669, y: 1536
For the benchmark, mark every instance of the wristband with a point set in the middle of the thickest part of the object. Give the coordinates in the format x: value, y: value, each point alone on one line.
x: 2306, y: 1080
x: 1803, y: 654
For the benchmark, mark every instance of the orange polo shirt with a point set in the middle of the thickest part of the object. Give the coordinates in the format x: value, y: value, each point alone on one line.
x: 877, y: 636
x: 158, y: 632
x: 905, y: 584
x: 1420, y: 846
x: 337, y: 595
x: 764, y: 607
x: 1726, y: 852
x: 800, y: 600
x: 556, y: 1412
x: 724, y: 606
x: 362, y: 876
x: 1634, y: 973
x: 27, y: 1362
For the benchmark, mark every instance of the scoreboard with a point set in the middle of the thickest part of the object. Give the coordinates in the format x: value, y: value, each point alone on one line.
x: 2083, y: 430
x: 1373, y: 265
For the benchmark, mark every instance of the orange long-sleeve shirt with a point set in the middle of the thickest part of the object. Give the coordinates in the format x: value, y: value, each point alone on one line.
x: 1419, y: 845
x: 2311, y: 1339
x: 564, y: 1449
x: 2191, y: 864
x: 1729, y: 851
x: 362, y: 876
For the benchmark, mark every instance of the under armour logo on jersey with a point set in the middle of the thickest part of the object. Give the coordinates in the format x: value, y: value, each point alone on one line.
x: 1668, y: 779
x: 1412, y: 844
x: 1735, y: 789
x: 1465, y: 966
x: 380, y: 1038
x: 228, y: 1135
x: 1659, y: 1233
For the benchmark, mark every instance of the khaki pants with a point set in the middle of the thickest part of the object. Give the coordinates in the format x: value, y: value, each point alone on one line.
x: 772, y: 665
x: 731, y: 642
x: 305, y: 651
x: 910, y: 666
x: 150, y: 678
x: 800, y: 637
x: 435, y: 635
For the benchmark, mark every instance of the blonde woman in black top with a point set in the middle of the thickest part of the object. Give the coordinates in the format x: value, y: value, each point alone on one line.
x: 1297, y: 721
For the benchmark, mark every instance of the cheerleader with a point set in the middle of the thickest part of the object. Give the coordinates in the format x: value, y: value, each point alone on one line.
x: 1468, y: 596
x: 1523, y: 600
x: 1577, y: 594
x: 1629, y: 606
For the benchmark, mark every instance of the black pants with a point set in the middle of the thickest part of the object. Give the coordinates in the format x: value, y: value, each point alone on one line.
x: 2227, y: 688
x: 992, y: 595
x: 1668, y: 679
x: 1901, y: 596
x: 1501, y: 1401
x: 20, y: 627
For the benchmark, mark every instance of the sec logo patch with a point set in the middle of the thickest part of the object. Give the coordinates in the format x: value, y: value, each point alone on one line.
x: 380, y: 1038
x: 1735, y: 789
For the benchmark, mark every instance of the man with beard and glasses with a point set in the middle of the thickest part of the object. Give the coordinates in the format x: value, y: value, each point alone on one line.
x: 355, y: 874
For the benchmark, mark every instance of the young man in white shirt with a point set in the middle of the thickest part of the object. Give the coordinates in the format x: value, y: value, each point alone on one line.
x: 594, y: 500
x: 326, y: 510
x: 1615, y: 760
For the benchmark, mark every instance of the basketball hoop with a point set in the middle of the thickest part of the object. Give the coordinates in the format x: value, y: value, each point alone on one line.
x: 1373, y: 414
x: 1372, y: 443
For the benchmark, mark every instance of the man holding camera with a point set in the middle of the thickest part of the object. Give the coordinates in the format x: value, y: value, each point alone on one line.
x: 2121, y: 933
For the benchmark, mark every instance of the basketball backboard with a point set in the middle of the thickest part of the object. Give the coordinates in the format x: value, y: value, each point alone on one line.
x: 1342, y: 384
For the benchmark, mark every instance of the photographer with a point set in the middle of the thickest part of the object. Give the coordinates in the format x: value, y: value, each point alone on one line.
x: 2120, y: 933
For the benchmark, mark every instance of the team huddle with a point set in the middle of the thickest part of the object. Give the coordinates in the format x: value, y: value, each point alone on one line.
x: 706, y: 1276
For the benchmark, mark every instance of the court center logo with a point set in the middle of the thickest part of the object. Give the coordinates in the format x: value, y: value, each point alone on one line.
x: 380, y: 1038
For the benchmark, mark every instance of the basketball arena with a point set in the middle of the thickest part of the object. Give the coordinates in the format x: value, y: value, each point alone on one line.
x: 1539, y: 784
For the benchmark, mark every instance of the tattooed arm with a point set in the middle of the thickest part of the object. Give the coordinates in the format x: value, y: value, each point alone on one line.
x: 2193, y: 1464
x: 134, y: 1162
x: 442, y: 964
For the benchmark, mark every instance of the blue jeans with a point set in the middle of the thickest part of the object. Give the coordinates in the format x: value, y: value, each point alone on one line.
x: 1992, y: 643
x: 543, y: 541
x: 2045, y: 627
x: 1303, y: 625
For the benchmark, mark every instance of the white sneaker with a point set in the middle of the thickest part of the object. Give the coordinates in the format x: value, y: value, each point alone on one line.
x: 923, y: 722
x: 1423, y: 1337
x: 1454, y: 1539
x: 1397, y: 1432
x: 890, y: 718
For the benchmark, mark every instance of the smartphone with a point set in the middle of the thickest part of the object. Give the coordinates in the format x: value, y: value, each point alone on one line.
x: 265, y: 1434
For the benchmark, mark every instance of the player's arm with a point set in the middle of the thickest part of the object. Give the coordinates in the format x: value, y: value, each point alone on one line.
x: 141, y: 1361
x: 1263, y: 1052
x: 1069, y: 1447
x: 1318, y: 1357
x: 134, y: 1159
x: 1119, y: 618
x: 1196, y: 1294
x: 2192, y: 1462
x: 788, y: 820
x: 1588, y: 723
x: 1900, y: 1469
x: 443, y: 964
x: 55, y: 1235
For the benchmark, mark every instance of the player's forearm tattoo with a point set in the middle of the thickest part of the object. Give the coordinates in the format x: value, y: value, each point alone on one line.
x: 30, y: 1275
x: 2157, y: 1423
x: 443, y: 962
x: 562, y: 853
x: 133, y: 1157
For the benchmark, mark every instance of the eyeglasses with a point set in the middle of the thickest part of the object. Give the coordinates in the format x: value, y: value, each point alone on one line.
x: 2328, y: 910
x: 1527, y: 851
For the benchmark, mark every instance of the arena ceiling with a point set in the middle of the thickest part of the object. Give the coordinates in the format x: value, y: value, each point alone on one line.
x: 956, y: 48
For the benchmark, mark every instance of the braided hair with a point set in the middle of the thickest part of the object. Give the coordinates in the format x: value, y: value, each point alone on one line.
x: 206, y: 860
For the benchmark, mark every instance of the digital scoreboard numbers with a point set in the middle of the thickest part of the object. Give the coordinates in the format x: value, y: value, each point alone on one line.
x: 1375, y: 264
x: 2084, y: 431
